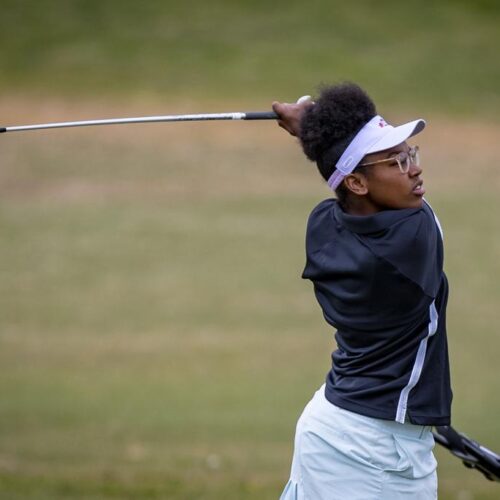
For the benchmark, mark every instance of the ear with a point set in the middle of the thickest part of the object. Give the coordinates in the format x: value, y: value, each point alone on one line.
x: 357, y: 183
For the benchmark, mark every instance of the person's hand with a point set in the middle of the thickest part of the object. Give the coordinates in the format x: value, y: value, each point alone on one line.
x: 290, y: 115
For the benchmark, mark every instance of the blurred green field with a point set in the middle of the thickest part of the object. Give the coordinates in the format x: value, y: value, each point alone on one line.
x: 439, y: 56
x: 156, y: 340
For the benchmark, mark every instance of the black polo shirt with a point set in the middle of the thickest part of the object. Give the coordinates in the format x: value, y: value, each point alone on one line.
x: 379, y: 280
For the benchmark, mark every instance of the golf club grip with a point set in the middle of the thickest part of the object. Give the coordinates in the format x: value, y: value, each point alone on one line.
x: 261, y: 115
x: 3, y: 129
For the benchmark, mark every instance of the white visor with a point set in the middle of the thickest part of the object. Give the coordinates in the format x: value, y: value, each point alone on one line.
x: 377, y: 135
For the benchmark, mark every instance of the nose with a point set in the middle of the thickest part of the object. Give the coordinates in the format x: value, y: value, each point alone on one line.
x: 415, y: 170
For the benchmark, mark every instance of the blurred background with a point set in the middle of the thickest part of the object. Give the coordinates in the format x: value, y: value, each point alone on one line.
x: 156, y: 340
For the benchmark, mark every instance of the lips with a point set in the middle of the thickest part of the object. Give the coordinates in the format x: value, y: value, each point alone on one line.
x: 419, y: 189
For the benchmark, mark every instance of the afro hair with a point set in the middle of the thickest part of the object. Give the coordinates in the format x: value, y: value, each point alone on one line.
x: 331, y: 124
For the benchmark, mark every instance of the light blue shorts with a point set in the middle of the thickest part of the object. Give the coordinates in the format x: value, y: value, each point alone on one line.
x: 340, y: 455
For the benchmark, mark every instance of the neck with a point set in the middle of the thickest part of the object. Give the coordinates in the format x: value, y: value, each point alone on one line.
x: 360, y: 205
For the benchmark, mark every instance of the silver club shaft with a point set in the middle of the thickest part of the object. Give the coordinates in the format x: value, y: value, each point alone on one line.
x: 257, y: 115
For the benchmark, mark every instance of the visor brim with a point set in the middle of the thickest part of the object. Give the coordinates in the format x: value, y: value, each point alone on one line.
x: 397, y: 135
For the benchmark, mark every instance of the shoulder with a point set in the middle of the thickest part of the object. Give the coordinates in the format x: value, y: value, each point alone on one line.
x: 413, y: 245
x: 321, y: 223
x: 417, y: 229
x: 322, y: 216
x: 322, y: 209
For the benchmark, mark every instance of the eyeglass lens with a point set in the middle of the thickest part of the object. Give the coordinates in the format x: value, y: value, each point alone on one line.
x: 406, y: 159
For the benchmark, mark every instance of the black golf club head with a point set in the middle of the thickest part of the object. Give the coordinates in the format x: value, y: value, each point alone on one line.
x: 472, y: 454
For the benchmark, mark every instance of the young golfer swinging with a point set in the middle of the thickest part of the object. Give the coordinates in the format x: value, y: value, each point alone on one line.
x: 375, y: 258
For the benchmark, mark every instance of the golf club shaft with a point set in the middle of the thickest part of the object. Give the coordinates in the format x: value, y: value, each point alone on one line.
x: 257, y: 115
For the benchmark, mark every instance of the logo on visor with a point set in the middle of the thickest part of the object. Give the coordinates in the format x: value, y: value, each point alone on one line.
x: 382, y: 123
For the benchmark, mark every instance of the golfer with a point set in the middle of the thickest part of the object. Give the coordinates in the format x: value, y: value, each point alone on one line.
x: 374, y: 254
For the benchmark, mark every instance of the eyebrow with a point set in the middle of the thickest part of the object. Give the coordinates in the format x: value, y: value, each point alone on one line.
x: 392, y: 153
x: 396, y: 153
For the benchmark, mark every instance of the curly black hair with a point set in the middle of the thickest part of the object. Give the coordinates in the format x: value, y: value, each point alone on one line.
x: 331, y: 124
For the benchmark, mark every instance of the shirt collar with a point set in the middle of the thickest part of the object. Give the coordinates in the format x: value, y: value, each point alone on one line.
x: 366, y: 224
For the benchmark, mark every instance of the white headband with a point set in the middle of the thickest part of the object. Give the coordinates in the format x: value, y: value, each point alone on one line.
x: 376, y: 135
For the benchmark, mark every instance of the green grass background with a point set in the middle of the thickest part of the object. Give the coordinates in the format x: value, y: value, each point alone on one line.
x: 156, y: 340
x: 435, y: 55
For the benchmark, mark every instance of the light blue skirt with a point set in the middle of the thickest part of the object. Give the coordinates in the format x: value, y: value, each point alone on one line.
x: 340, y: 455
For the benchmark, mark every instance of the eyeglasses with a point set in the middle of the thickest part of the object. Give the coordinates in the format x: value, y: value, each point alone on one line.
x: 403, y: 159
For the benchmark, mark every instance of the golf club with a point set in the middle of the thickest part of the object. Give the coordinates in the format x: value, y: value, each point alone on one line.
x: 472, y: 454
x: 255, y: 115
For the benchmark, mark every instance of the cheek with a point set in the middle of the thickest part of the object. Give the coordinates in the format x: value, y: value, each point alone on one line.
x: 391, y: 191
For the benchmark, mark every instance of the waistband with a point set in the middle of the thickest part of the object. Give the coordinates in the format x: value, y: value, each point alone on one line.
x: 389, y: 426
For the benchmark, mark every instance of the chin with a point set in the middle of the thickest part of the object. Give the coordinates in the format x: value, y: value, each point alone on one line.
x: 419, y: 202
x: 414, y: 203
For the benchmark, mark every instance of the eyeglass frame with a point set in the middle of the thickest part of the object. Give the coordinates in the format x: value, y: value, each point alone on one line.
x: 412, y: 158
